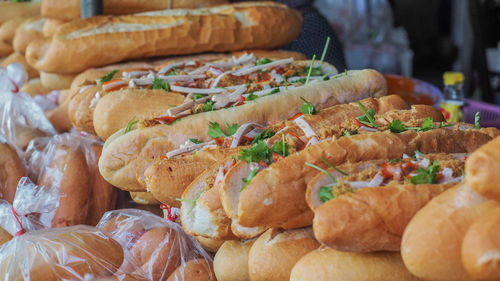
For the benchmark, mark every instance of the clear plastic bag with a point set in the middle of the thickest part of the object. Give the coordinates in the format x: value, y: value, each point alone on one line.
x: 70, y: 253
x: 68, y: 163
x: 157, y: 248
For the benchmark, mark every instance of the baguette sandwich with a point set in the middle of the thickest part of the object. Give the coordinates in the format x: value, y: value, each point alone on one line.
x: 148, y: 90
x: 275, y: 194
x: 126, y: 149
x: 87, y: 43
x: 11, y: 170
x: 231, y: 260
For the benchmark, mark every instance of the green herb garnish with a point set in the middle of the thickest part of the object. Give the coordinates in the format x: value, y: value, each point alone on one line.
x: 258, y: 152
x: 198, y: 96
x: 251, y: 96
x: 310, y: 70
x: 332, y: 166
x: 264, y: 135
x: 281, y: 147
x: 208, y: 106
x: 325, y: 49
x: 195, y: 141
x: 368, y: 117
x: 428, y: 175
x: 249, y: 178
x: 322, y: 170
x: 428, y: 124
x: 108, y: 76
x: 476, y: 120
x: 159, y: 84
x: 215, y: 131
x: 263, y: 61
x: 130, y: 124
x: 397, y: 126
x: 307, y: 107
x: 191, y: 200
x: 325, y: 194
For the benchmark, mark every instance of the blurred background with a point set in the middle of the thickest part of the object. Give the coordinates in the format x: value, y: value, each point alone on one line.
x: 422, y: 39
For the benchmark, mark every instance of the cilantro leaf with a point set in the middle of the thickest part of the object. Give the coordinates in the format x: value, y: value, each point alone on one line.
x: 300, y: 80
x: 264, y: 135
x: 159, y: 84
x: 316, y: 71
x: 258, y: 152
x: 325, y: 194
x: 130, y: 124
x: 428, y: 175
x: 263, y: 61
x: 208, y: 106
x: 351, y: 133
x: 477, y: 117
x: 251, y: 96
x: 443, y: 125
x: 281, y: 147
x: 195, y: 141
x: 397, y: 126
x: 108, y: 76
x: 215, y: 131
x: 198, y: 96
x: 307, y: 107
x: 428, y: 124
x: 231, y: 129
x: 369, y: 117
x: 249, y: 178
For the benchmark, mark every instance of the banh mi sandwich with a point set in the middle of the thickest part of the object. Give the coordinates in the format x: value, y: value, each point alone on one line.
x: 106, y: 104
x: 70, y: 9
x: 365, y: 206
x: 273, y: 194
x: 86, y: 43
x: 126, y: 149
x: 167, y: 176
x: 207, y: 205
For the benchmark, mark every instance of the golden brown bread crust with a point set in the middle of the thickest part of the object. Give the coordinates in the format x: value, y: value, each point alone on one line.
x: 5, y: 50
x: 78, y: 110
x: 16, y: 57
x: 431, y: 244
x: 239, y: 26
x: 231, y: 261
x: 275, y: 252
x: 326, y: 264
x: 74, y: 184
x: 210, y: 245
x: 115, y: 110
x: 56, y: 81
x: 123, y: 153
x: 70, y: 9
x: 277, y: 185
x: 481, y: 246
x: 144, y: 198
x: 13, y: 10
x: 167, y: 179
x: 29, y: 31
x: 52, y: 25
x: 482, y: 170
x: 371, y: 219
x: 7, y: 33
x: 197, y: 269
x: 59, y: 118
x: 4, y: 236
x: 103, y: 195
x: 44, y: 255
x: 34, y: 87
x: 11, y: 170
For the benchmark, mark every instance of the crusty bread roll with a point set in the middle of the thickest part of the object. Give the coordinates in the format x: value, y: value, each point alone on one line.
x: 34, y: 87
x: 23, y: 9
x: 59, y: 118
x: 197, y: 269
x: 274, y: 253
x: 63, y: 96
x: 70, y: 9
x: 481, y: 246
x: 55, y: 81
x: 91, y: 42
x: 119, y: 166
x: 326, y: 264
x: 17, y: 57
x: 231, y: 261
x: 103, y: 195
x: 124, y: 230
x: 144, y: 198
x: 29, y: 31
x: 11, y: 170
x: 431, y: 244
x: 60, y: 254
x: 158, y: 252
x: 209, y: 244
x: 7, y: 33
x: 52, y: 25
x: 69, y: 170
x: 482, y: 170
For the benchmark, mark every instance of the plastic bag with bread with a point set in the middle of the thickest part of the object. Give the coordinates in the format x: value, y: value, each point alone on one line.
x: 67, y: 162
x: 12, y: 168
x: 455, y: 237
x: 156, y: 248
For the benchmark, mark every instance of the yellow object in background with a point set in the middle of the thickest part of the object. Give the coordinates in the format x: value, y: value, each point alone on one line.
x: 452, y: 106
